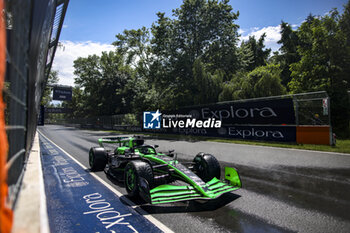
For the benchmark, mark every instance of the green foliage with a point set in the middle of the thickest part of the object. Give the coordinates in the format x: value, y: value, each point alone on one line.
x: 237, y: 88
x: 47, y: 94
x: 253, y: 53
x: 199, y: 29
x: 101, y: 79
x: 135, y: 46
x: 129, y: 119
x: 323, y: 53
x: 323, y: 45
x: 266, y: 81
x: 77, y: 104
x: 261, y: 82
x: 208, y: 86
x: 289, y: 42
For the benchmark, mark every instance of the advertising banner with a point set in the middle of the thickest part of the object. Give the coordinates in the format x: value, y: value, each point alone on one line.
x: 58, y: 110
x: 257, y: 112
x: 259, y: 133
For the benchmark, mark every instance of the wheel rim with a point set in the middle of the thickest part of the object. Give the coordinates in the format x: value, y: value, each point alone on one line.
x: 130, y: 178
x: 91, y: 159
x: 203, y: 167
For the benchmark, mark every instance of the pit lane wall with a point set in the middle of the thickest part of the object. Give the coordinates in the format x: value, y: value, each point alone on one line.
x: 29, y: 37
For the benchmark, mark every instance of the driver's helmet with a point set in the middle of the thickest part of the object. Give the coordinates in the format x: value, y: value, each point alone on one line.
x: 138, y: 142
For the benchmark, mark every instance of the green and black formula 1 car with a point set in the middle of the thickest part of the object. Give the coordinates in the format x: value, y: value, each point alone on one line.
x: 155, y: 176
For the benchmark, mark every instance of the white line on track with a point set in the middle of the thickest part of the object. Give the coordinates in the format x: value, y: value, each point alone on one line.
x: 149, y: 217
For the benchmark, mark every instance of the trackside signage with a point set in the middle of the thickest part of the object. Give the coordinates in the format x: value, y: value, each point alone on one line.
x: 62, y: 93
x: 258, y: 112
x: 58, y: 110
x: 261, y: 133
x: 262, y: 120
x: 77, y: 202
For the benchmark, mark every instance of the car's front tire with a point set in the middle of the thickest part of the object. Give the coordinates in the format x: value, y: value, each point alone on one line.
x: 206, y: 166
x: 97, y: 158
x: 133, y: 171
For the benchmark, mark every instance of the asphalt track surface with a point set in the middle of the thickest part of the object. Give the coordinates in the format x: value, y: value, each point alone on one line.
x: 284, y: 190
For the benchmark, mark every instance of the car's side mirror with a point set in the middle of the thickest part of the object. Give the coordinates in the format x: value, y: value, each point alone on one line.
x: 156, y: 146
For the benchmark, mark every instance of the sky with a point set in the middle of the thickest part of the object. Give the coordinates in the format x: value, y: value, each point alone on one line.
x: 90, y: 26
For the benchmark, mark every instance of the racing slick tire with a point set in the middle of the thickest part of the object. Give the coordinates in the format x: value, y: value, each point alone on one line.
x: 206, y: 166
x: 133, y: 171
x: 97, y: 158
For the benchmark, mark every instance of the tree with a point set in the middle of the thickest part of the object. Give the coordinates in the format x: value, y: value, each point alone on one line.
x: 324, y: 64
x: 239, y: 87
x: 202, y: 30
x: 135, y: 46
x: 266, y: 81
x: 255, y: 54
x: 51, y: 80
x: 289, y: 42
x: 179, y: 61
x: 207, y: 28
x: 344, y: 23
x: 102, y: 80
x: 77, y: 104
x: 263, y: 81
x: 208, y: 86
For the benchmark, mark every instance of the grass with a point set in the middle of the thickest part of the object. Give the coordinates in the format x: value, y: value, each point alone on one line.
x: 342, y: 145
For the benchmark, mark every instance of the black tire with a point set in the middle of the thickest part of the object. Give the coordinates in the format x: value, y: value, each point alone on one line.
x: 133, y: 171
x: 206, y: 167
x: 97, y: 158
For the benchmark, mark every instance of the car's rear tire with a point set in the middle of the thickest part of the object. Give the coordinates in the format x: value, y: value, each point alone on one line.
x: 206, y: 166
x: 133, y: 171
x: 97, y: 158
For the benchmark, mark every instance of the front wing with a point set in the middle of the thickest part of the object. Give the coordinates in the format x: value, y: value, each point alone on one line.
x: 211, y: 190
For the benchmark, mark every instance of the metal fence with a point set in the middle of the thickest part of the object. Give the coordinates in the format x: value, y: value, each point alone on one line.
x: 33, y: 28
x: 312, y: 108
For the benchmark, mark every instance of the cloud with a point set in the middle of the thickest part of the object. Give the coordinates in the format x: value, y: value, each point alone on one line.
x: 64, y: 57
x: 272, y: 35
x: 241, y: 31
x: 295, y: 26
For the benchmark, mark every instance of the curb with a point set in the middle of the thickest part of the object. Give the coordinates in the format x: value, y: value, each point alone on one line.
x: 30, y: 214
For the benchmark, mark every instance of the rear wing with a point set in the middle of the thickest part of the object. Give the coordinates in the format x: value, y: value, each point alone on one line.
x: 112, y: 140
